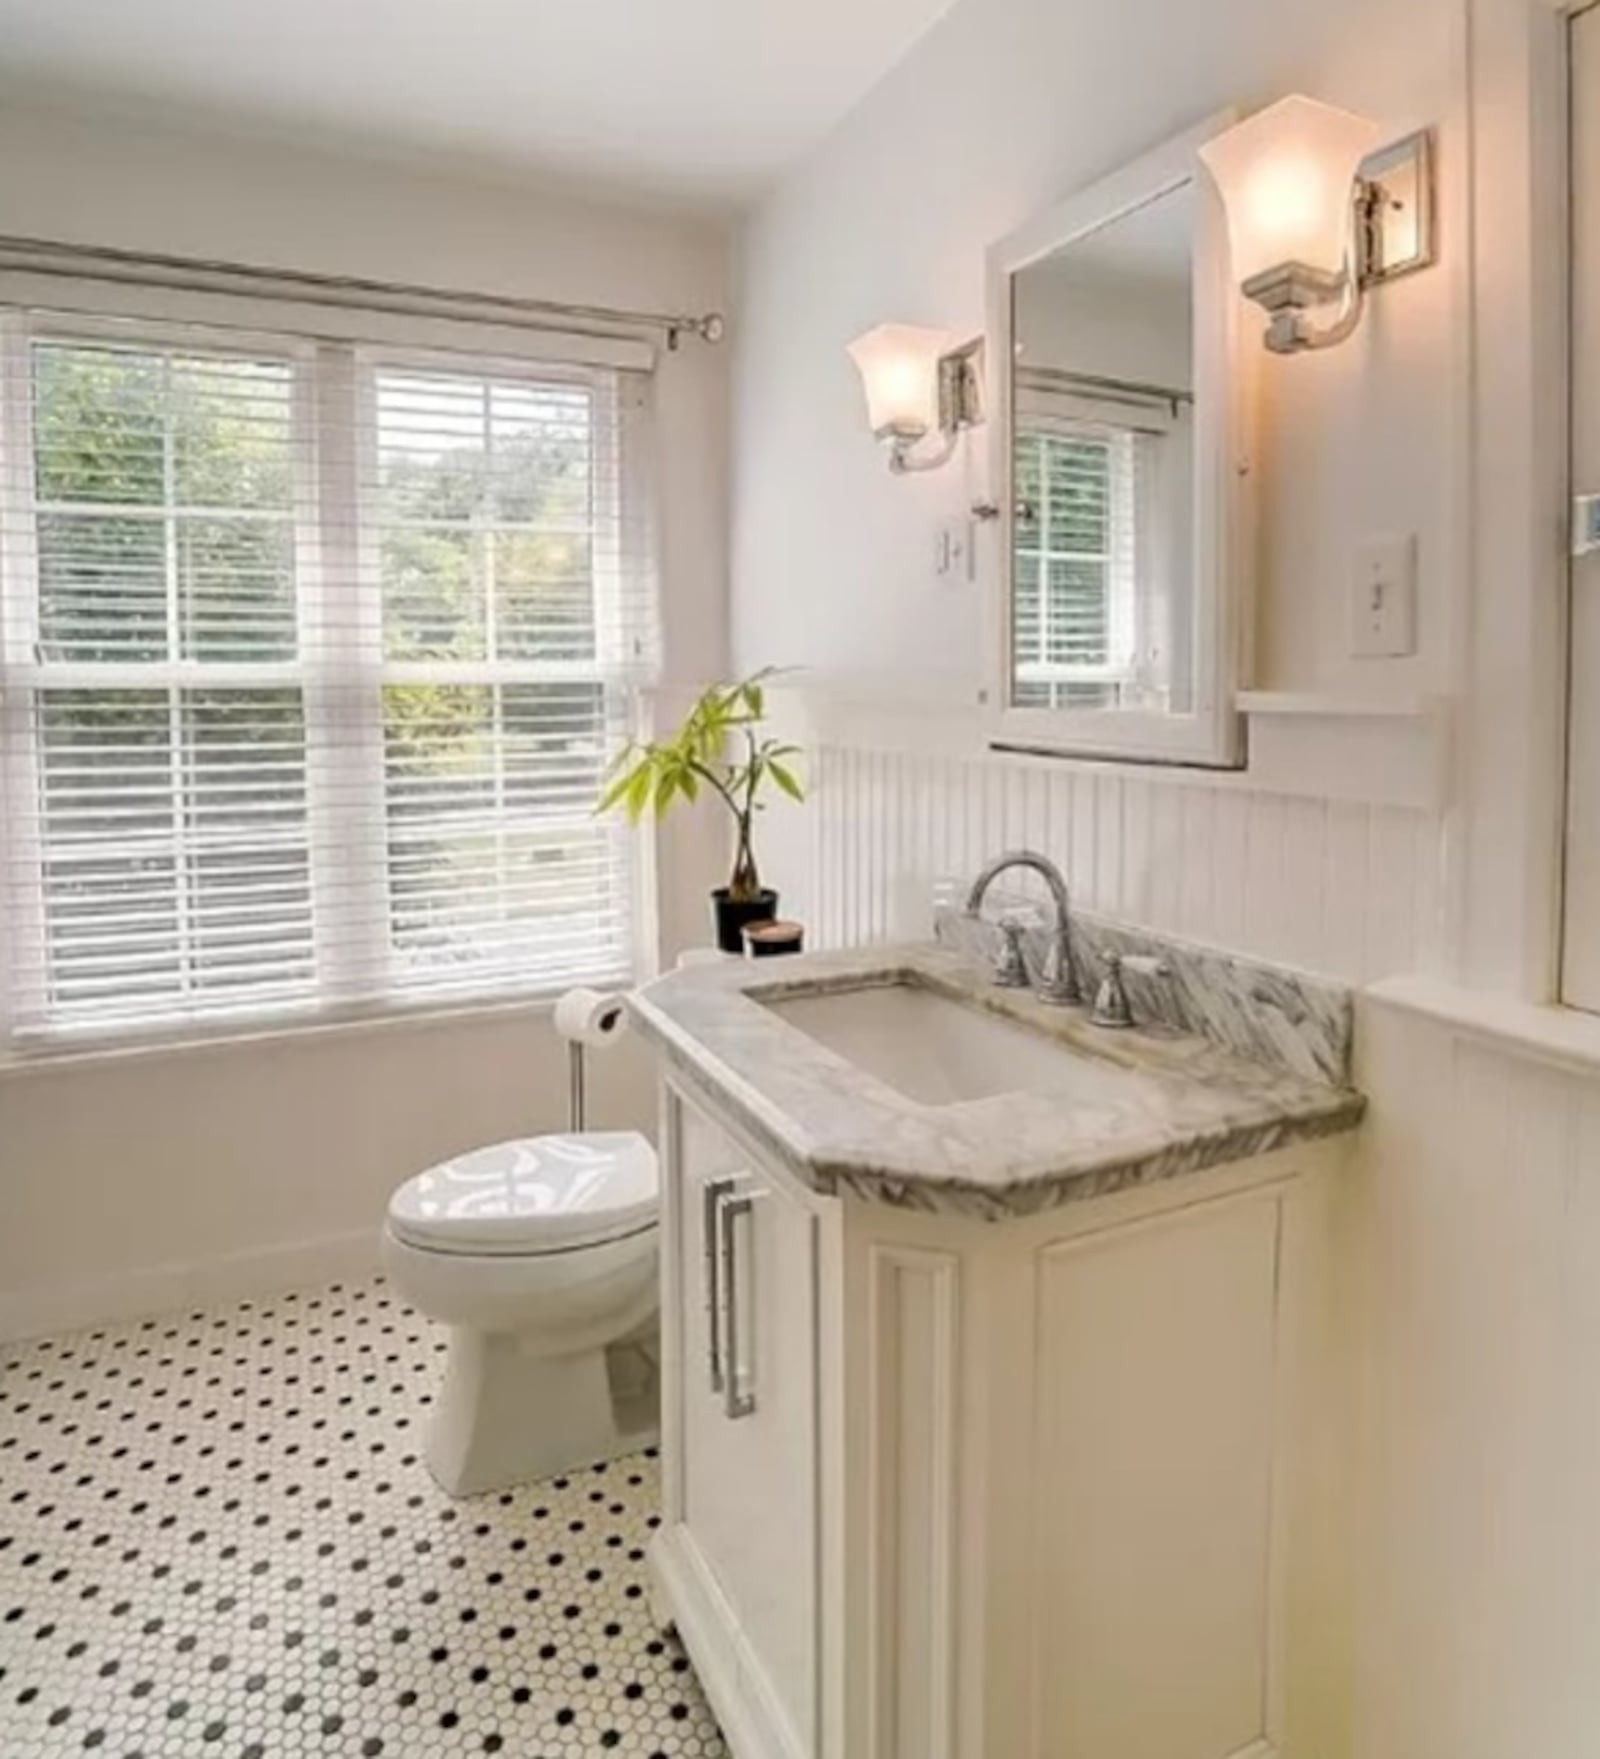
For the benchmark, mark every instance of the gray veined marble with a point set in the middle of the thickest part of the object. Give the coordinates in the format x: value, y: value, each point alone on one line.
x: 1174, y: 1100
x: 1269, y: 1013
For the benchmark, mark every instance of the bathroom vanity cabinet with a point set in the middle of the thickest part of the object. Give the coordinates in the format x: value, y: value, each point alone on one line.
x: 741, y: 1436
x: 1043, y: 1486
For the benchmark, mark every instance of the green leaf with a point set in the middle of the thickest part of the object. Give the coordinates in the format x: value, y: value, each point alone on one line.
x: 613, y: 795
x: 638, y: 791
x: 786, y: 779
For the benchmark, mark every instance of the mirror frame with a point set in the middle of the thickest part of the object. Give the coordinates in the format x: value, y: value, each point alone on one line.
x: 1225, y: 366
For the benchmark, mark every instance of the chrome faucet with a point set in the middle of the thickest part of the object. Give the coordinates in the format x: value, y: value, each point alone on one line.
x: 1058, y: 977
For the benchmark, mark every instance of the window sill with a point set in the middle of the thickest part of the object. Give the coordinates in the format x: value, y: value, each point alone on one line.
x: 52, y: 1056
x: 1560, y: 1037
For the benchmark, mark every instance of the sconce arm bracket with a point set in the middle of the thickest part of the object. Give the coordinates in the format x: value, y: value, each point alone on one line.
x: 1395, y: 210
x: 1288, y: 291
x: 906, y: 460
x: 961, y: 387
x: 1392, y: 233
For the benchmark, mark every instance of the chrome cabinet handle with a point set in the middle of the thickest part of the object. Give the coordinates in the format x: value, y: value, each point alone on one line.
x: 711, y: 1196
x: 738, y: 1400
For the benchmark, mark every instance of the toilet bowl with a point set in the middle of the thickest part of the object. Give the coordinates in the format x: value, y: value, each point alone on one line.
x: 540, y: 1256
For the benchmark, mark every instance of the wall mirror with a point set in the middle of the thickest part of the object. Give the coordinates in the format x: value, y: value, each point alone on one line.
x: 1122, y: 470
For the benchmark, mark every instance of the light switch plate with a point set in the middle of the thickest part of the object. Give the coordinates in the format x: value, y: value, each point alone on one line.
x: 1383, y: 599
x: 952, y: 549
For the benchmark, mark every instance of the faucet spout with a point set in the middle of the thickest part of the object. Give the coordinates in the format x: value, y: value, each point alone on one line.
x: 1058, y: 979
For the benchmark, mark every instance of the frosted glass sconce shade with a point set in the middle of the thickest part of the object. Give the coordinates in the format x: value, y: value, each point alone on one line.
x: 899, y: 367
x: 1287, y: 175
x: 1319, y: 212
x: 916, y: 383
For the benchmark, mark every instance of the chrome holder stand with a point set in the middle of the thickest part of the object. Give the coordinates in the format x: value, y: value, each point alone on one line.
x: 577, y: 1099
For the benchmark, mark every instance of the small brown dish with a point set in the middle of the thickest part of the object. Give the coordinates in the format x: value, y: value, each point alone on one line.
x: 766, y: 940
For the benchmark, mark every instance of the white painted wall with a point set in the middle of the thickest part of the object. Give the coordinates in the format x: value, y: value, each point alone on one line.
x: 152, y: 1180
x: 124, y: 1184
x: 1005, y: 107
x: 1002, y: 110
x: 1473, y: 1247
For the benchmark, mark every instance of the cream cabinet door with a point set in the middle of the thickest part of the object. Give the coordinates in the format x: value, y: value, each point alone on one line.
x: 1582, y: 962
x: 745, y: 1436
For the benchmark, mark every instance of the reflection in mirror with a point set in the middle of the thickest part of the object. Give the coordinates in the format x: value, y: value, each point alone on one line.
x: 1103, y: 595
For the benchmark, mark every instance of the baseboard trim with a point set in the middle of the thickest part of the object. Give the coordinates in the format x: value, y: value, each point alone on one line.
x: 168, y: 1288
x: 730, y: 1674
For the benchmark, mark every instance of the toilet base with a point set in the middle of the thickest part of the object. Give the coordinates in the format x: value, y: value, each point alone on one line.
x: 504, y: 1416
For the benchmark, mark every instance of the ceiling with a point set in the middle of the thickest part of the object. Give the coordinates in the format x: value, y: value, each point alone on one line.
x: 700, y: 101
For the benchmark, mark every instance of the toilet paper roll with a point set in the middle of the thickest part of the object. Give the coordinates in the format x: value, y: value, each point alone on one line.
x: 585, y: 1016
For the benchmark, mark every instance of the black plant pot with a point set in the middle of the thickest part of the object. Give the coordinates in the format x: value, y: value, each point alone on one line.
x: 732, y: 914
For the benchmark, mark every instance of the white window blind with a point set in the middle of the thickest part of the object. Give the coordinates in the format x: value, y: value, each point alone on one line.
x: 1075, y: 566
x: 310, y: 660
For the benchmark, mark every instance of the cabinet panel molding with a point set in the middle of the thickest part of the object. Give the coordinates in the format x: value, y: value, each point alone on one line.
x: 913, y: 1353
x: 1153, y: 1516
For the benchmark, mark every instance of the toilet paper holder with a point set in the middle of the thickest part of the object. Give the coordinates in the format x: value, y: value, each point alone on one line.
x: 585, y: 1017
x: 577, y: 1095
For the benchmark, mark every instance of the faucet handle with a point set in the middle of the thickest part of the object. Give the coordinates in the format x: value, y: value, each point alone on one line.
x: 1111, y: 1006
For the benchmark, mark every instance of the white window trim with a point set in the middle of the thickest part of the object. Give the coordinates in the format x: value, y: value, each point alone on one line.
x: 1121, y: 570
x: 348, y: 852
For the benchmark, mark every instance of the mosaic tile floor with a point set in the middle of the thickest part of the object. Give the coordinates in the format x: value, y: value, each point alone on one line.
x: 218, y: 1541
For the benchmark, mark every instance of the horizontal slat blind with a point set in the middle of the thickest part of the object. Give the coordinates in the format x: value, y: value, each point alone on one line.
x: 1074, y: 565
x: 312, y: 659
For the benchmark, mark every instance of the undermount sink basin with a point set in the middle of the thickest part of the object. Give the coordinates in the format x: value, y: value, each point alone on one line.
x: 936, y: 1051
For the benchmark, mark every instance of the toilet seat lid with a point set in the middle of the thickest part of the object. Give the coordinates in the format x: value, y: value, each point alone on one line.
x: 535, y: 1194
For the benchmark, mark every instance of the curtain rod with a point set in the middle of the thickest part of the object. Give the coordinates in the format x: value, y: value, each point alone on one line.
x: 1046, y: 376
x: 44, y: 256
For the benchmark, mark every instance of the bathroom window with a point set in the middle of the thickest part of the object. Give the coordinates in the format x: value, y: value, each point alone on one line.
x: 496, y: 516
x: 1073, y: 640
x: 311, y: 661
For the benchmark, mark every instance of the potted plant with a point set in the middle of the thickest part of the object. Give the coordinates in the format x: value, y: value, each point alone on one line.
x: 719, y: 748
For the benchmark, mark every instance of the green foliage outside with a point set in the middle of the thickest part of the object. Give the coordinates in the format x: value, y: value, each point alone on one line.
x: 171, y: 511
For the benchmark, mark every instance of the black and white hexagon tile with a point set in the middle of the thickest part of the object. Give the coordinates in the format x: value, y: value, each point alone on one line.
x: 218, y: 1541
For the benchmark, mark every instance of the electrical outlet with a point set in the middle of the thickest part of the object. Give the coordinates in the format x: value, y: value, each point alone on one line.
x: 1383, y: 599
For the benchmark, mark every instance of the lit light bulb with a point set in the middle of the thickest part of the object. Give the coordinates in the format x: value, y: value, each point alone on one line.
x: 1286, y: 176
x: 899, y: 367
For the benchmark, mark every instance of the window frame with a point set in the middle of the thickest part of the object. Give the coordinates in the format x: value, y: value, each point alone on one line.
x: 333, y: 380
x: 1119, y: 567
x: 496, y: 675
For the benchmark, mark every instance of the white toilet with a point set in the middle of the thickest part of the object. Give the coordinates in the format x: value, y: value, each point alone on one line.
x: 538, y: 1254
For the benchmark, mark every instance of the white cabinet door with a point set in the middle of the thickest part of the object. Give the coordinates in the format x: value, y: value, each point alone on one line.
x: 745, y: 1432
x: 1582, y: 963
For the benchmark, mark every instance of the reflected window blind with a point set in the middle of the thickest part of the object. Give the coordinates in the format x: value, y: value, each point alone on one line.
x: 311, y: 658
x: 1074, y: 581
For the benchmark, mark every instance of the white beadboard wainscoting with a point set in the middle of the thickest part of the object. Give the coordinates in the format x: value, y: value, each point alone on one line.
x: 1474, y: 1245
x: 1352, y: 889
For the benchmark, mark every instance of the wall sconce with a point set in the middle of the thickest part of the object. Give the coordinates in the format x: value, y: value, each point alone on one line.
x: 1319, y: 213
x: 915, y: 382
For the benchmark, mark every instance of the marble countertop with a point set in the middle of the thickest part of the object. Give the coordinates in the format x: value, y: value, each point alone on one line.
x: 1180, y: 1102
